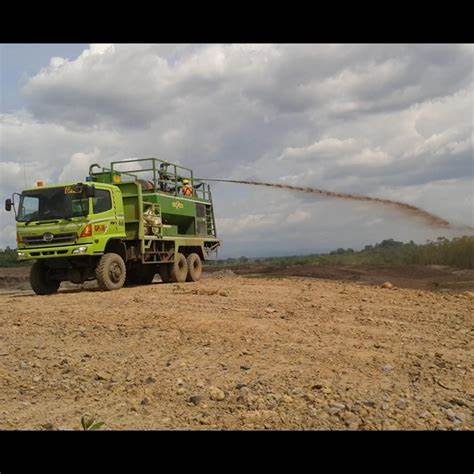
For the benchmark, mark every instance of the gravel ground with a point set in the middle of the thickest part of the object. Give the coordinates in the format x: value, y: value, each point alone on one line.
x: 231, y: 352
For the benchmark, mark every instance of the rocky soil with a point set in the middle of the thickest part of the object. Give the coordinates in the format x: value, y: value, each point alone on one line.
x: 231, y: 352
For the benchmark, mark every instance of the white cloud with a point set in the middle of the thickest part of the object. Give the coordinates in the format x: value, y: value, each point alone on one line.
x: 8, y: 237
x: 369, y: 157
x: 325, y: 148
x: 246, y: 223
x: 9, y: 172
x: 298, y: 216
x: 78, y: 166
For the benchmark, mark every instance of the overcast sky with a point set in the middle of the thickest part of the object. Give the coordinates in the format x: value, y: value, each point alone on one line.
x: 392, y: 121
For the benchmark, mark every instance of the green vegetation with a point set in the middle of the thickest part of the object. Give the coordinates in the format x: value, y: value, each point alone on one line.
x: 90, y: 424
x: 8, y: 258
x: 458, y: 252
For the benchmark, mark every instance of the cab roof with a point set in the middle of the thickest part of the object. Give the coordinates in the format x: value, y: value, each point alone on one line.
x: 62, y: 185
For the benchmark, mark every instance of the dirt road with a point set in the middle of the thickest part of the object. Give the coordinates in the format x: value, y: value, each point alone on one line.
x: 238, y: 353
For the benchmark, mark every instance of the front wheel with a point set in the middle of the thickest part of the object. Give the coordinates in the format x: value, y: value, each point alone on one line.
x: 110, y: 272
x: 40, y: 280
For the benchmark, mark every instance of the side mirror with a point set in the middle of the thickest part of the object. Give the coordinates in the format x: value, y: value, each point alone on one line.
x: 8, y: 205
x: 89, y: 191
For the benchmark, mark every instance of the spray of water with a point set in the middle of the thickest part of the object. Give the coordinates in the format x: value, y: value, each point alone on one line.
x: 408, y: 209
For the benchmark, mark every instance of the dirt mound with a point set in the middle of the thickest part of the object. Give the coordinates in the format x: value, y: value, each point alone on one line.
x: 427, y: 277
x: 13, y: 282
x: 15, y: 277
x: 221, y: 274
x: 257, y: 353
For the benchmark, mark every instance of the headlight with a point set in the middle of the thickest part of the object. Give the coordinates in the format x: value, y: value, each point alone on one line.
x: 79, y: 250
x: 21, y: 254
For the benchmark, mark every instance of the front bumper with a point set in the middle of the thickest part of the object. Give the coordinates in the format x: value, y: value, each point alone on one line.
x: 54, y: 252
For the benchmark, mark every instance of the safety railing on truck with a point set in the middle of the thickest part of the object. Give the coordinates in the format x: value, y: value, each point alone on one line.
x: 160, y: 175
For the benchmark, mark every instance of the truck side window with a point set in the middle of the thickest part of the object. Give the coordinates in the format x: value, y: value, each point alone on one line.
x: 101, y: 201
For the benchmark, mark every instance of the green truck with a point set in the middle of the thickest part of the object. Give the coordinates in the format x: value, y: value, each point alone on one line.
x: 122, y: 225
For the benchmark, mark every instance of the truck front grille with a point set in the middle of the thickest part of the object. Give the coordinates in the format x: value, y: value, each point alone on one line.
x: 58, y: 239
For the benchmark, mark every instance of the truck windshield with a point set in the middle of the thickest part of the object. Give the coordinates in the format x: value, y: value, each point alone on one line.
x: 53, y: 203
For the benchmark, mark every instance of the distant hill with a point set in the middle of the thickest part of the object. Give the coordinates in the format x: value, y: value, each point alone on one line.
x: 458, y: 252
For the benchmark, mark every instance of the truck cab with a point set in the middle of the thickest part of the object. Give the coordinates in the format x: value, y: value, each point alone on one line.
x: 68, y: 220
x: 117, y: 227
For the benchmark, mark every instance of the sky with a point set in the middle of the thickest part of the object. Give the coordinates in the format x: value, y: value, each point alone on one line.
x: 390, y: 121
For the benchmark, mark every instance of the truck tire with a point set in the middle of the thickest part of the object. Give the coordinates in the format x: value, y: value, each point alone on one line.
x: 179, y: 269
x: 164, y: 270
x: 40, y: 281
x: 194, y: 267
x: 110, y: 272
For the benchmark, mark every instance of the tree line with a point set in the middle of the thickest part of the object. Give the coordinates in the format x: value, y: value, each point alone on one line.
x: 457, y: 252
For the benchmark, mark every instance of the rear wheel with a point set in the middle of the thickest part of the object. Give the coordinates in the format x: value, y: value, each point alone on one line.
x: 111, y: 272
x: 40, y: 280
x: 194, y: 267
x: 179, y: 269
